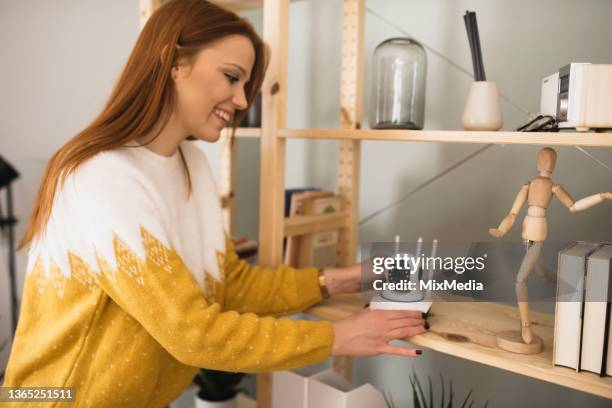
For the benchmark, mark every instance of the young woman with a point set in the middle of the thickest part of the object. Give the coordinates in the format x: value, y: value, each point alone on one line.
x: 131, y: 284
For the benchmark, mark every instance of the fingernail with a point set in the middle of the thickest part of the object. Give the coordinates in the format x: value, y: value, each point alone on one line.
x: 423, y: 315
x: 426, y: 326
x: 366, y: 305
x: 426, y: 315
x: 419, y: 352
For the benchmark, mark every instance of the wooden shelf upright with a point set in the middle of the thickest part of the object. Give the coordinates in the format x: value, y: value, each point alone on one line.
x: 272, y: 190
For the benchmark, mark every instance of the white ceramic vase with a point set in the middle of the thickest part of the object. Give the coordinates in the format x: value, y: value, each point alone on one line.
x: 482, y: 111
x: 200, y: 403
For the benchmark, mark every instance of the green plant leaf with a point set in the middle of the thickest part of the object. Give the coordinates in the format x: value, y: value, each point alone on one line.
x: 451, y: 394
x: 415, y: 398
x: 431, y: 401
x: 418, y: 394
x: 388, y: 399
x: 442, y: 386
x: 467, y: 397
x: 419, y: 388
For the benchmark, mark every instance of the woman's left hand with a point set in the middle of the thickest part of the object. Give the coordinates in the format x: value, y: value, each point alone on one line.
x: 343, y: 280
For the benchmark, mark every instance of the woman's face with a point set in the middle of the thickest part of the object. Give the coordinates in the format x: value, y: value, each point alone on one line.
x: 210, y: 90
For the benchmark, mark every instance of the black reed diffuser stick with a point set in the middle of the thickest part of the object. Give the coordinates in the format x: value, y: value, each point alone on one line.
x: 468, y: 24
x: 471, y: 27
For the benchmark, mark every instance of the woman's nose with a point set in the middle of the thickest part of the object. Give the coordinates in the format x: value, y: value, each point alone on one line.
x: 240, y: 100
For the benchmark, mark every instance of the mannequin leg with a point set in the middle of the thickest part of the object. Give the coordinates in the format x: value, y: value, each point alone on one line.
x: 544, y: 273
x: 534, y: 249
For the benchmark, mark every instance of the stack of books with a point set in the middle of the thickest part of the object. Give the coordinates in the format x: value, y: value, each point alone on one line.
x: 583, y: 327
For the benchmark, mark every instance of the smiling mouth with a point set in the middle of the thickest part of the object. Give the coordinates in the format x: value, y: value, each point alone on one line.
x: 223, y: 115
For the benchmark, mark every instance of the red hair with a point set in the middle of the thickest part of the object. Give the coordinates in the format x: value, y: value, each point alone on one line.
x: 143, y: 96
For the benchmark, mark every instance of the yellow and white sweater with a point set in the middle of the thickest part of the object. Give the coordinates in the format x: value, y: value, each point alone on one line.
x: 133, y: 286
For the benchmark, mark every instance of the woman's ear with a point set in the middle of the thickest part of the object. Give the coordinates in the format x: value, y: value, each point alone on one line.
x: 162, y: 56
x: 181, y: 68
x: 180, y: 71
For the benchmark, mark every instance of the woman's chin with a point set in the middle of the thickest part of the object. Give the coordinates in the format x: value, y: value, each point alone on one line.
x: 209, y: 134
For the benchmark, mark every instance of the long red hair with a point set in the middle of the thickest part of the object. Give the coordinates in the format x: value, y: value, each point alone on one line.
x: 143, y: 96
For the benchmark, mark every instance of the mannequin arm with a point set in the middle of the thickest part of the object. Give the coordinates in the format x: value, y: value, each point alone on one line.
x: 563, y: 196
x: 590, y: 201
x: 582, y: 204
x: 509, y: 219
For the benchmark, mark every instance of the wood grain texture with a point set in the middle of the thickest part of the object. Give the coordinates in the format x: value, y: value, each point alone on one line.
x: 468, y: 330
x: 351, y: 117
x: 274, y: 100
x: 272, y: 176
x: 242, y: 132
x: 511, y: 340
x: 311, y: 224
x: 456, y: 136
x: 238, y: 5
x: 227, y: 179
x: 349, y: 165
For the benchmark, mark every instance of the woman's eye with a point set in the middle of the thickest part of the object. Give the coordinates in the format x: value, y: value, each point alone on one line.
x: 232, y: 79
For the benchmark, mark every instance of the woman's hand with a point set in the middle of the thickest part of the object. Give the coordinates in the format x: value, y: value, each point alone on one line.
x: 343, y: 280
x: 369, y: 332
x: 349, y: 279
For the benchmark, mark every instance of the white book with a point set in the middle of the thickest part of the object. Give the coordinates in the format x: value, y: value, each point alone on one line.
x: 568, y: 311
x: 595, y: 322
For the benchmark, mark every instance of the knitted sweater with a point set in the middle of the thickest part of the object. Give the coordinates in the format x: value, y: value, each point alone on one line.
x: 133, y: 286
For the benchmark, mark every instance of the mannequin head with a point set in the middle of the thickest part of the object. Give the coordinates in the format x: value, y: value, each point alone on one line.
x: 547, y: 158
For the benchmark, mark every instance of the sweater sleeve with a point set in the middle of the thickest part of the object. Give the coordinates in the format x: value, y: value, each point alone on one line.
x: 273, y: 291
x: 147, y: 278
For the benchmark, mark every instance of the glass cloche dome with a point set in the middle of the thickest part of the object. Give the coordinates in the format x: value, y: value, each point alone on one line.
x: 398, y: 85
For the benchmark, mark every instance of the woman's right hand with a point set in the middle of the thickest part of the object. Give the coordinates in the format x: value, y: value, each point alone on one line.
x: 369, y: 332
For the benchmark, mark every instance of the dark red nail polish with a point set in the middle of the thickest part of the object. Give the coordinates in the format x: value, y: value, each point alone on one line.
x: 426, y: 326
x: 366, y: 305
x: 419, y: 352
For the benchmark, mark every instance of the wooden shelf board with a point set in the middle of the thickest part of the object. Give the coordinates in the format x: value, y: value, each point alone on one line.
x: 311, y: 224
x: 467, y: 330
x: 243, y: 132
x: 457, y: 136
x: 237, y: 5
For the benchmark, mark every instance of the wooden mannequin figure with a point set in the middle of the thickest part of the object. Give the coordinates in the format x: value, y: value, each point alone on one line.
x: 538, y: 194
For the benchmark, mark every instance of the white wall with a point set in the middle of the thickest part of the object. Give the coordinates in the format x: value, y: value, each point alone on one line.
x: 59, y: 62
x: 61, y: 59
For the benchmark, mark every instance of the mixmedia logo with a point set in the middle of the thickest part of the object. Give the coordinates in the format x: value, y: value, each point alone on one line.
x: 426, y: 286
